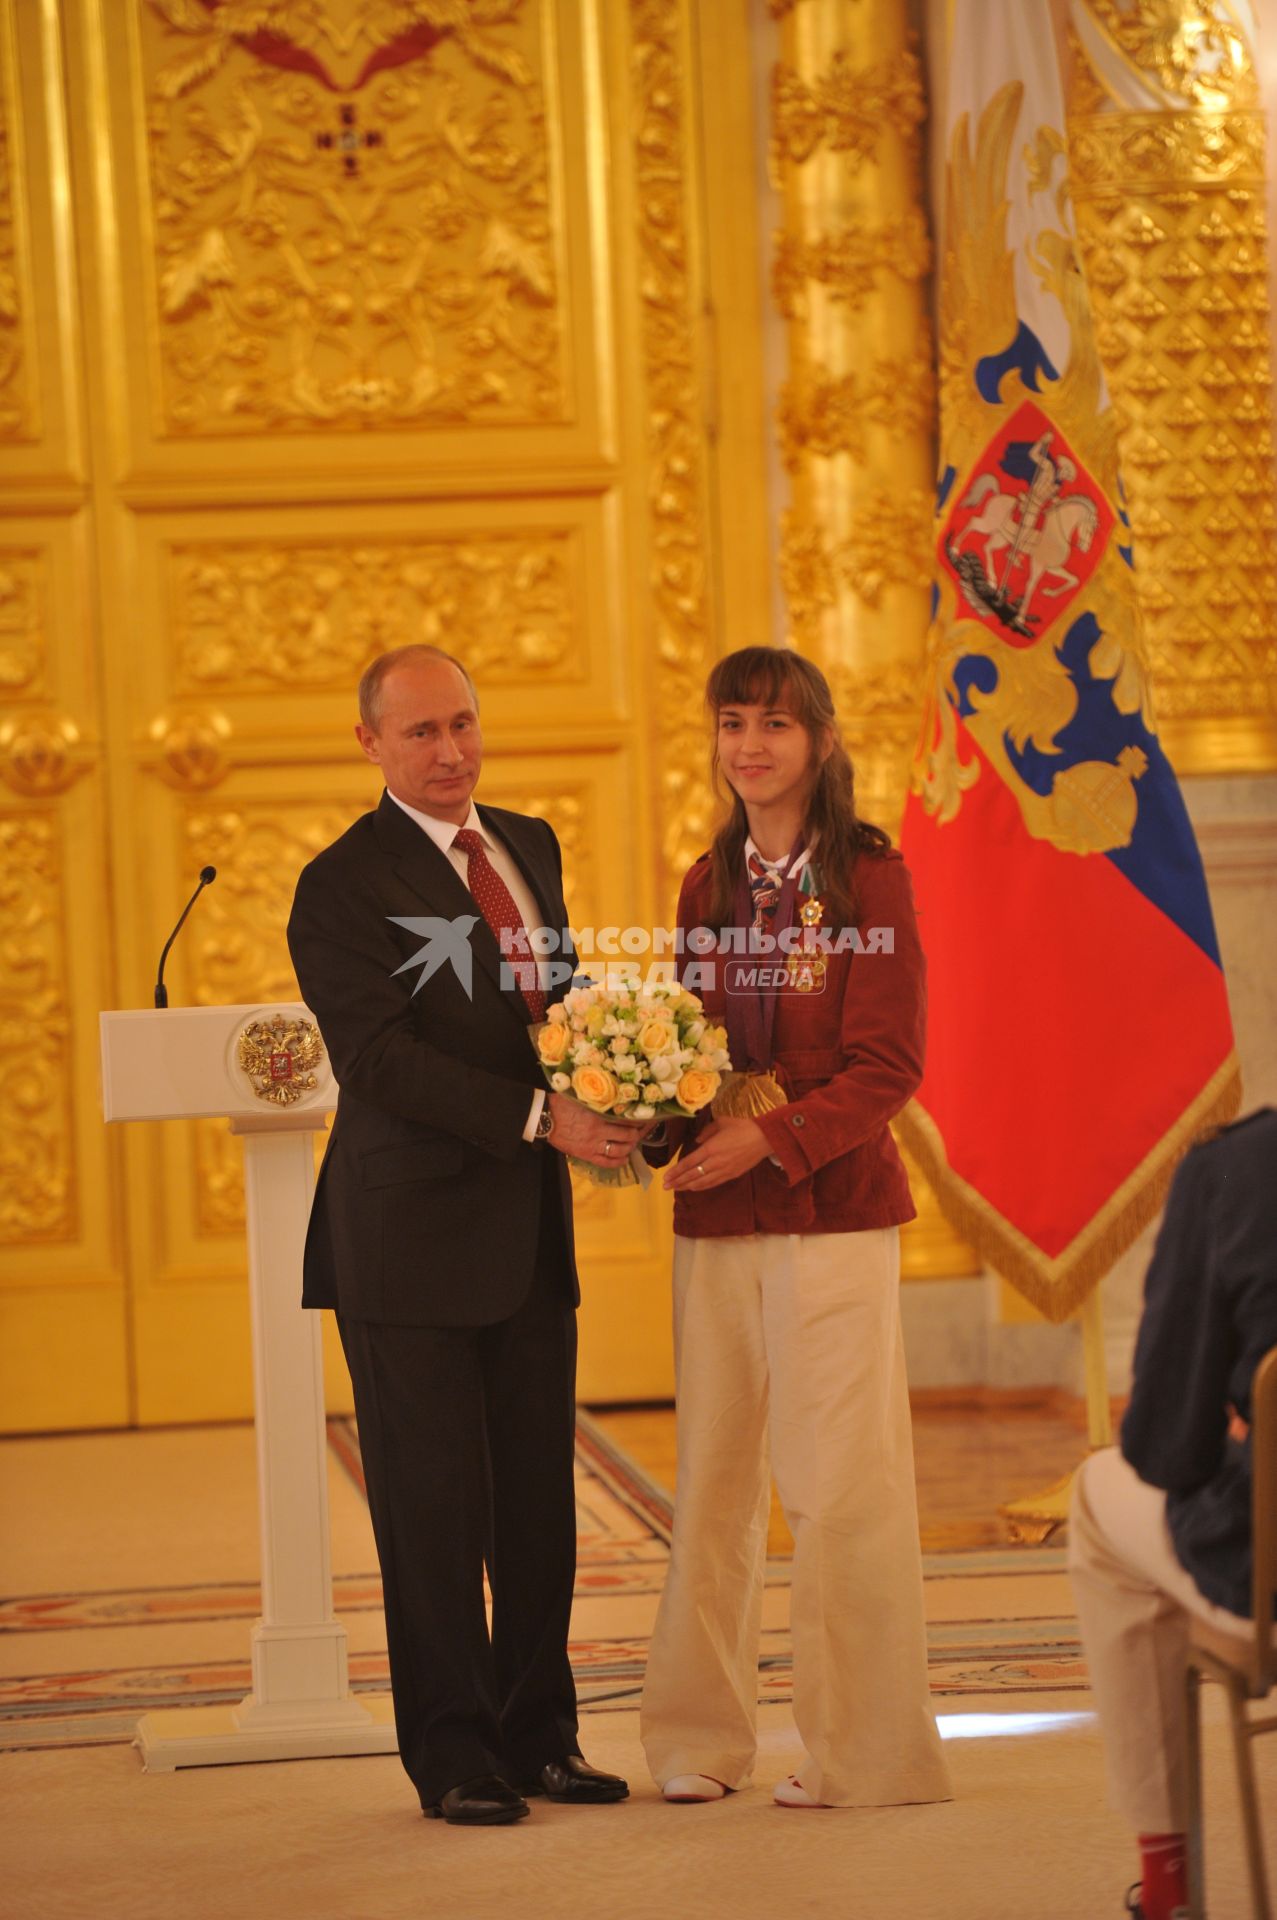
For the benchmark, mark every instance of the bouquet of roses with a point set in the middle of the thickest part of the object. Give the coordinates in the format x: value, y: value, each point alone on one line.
x: 640, y: 1050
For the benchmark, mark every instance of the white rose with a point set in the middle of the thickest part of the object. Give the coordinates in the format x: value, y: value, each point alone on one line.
x: 643, y: 1112
x: 669, y: 1089
x: 561, y: 1082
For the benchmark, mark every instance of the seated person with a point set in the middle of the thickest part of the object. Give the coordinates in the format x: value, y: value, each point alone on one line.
x: 1160, y: 1529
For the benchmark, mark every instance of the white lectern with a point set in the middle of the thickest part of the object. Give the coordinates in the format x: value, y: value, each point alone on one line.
x: 265, y: 1069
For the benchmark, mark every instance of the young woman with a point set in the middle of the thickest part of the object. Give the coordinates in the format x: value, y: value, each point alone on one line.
x: 786, y: 1267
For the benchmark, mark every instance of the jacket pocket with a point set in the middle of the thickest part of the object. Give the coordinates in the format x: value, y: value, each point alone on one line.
x: 424, y: 1160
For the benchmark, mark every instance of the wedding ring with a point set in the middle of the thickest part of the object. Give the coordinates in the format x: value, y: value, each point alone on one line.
x: 700, y: 1169
x: 607, y: 1146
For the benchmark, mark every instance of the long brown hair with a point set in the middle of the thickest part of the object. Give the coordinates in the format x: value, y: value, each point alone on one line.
x: 779, y: 677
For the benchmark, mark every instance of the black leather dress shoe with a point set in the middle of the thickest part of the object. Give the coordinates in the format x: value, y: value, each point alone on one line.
x: 487, y: 1801
x: 574, y: 1781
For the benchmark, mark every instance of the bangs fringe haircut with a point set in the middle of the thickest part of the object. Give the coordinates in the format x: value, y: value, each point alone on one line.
x: 779, y: 677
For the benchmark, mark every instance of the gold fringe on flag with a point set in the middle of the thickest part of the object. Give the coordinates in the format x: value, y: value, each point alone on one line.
x: 1058, y: 1286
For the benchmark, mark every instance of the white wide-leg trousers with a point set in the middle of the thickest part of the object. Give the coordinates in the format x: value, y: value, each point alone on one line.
x: 796, y: 1339
x: 1135, y: 1603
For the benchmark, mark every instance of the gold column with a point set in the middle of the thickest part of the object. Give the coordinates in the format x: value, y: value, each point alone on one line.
x: 856, y: 417
x: 1167, y: 158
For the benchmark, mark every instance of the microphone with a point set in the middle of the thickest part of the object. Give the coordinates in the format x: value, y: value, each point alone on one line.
x: 207, y: 875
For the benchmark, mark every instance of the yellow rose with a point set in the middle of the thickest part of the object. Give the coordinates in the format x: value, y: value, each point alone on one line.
x: 594, y: 1018
x: 656, y: 1037
x: 594, y: 1087
x: 552, y: 1044
x: 624, y: 1096
x: 714, y: 1038
x: 697, y: 1088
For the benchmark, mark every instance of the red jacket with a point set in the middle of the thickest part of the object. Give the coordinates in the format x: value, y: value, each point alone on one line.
x: 849, y: 1057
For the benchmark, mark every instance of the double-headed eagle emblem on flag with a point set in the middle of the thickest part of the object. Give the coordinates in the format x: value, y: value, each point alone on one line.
x: 1035, y: 634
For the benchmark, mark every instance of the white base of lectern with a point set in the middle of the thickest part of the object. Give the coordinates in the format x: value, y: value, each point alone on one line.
x: 217, y: 1736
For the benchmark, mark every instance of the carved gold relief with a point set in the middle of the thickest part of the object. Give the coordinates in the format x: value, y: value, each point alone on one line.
x: 41, y: 753
x: 849, y: 264
x: 846, y: 108
x: 353, y: 214
x: 1171, y: 219
x: 191, y: 748
x: 36, y: 1192
x: 17, y: 399
x: 684, y: 646
x: 23, y: 621
x: 1194, y: 50
x: 821, y: 415
x: 250, y: 615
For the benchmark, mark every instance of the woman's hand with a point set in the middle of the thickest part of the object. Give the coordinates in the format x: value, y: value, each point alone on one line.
x: 725, y: 1150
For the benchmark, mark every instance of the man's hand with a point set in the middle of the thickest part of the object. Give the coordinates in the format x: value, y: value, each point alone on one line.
x: 600, y: 1138
x: 725, y: 1150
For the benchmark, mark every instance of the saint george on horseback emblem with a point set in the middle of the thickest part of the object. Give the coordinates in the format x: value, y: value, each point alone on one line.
x: 1027, y: 530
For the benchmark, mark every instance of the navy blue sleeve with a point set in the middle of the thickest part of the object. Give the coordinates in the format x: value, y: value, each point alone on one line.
x: 1177, y: 1421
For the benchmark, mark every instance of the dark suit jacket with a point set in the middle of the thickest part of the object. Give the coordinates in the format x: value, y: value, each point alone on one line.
x: 1210, y: 1315
x: 428, y: 1205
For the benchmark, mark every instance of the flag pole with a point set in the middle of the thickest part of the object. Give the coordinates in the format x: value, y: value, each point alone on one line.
x: 1099, y: 1418
x: 1035, y: 1518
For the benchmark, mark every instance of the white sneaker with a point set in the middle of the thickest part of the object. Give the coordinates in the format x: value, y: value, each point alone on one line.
x: 792, y: 1793
x: 689, y: 1787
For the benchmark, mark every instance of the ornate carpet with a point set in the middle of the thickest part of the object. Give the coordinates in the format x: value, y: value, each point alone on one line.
x: 999, y: 1621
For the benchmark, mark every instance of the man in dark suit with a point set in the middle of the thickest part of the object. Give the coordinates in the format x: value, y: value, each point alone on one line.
x: 441, y: 1233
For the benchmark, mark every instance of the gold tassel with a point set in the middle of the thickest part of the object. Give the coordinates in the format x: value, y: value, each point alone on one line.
x: 743, y: 1096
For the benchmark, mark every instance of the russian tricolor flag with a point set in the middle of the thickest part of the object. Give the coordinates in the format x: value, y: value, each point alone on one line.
x: 1079, y: 1026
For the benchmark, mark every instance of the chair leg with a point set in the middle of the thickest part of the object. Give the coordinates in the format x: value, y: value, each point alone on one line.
x: 1196, y: 1835
x: 1250, y: 1802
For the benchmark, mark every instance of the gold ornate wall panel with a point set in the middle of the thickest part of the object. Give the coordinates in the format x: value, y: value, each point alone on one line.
x: 397, y: 322
x: 1167, y: 158
x: 39, y: 396
x: 344, y: 226
x: 64, y: 1356
x: 18, y: 420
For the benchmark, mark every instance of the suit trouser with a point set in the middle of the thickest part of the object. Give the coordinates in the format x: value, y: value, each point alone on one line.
x: 1136, y: 1603
x: 467, y: 1442
x: 798, y: 1335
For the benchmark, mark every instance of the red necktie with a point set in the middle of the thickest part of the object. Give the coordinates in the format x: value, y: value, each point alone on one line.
x: 496, y: 903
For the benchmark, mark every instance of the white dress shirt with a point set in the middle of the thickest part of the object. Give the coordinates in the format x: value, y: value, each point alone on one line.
x: 444, y: 833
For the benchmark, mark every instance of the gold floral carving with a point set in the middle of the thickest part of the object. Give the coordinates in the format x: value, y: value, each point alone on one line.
x: 37, y: 1201
x: 1194, y: 50
x: 23, y: 621
x: 353, y: 214
x: 253, y: 615
x: 1171, y: 219
x: 849, y: 263
x: 821, y: 415
x: 888, y: 545
x: 846, y: 108
x: 17, y: 400
x: 684, y: 645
